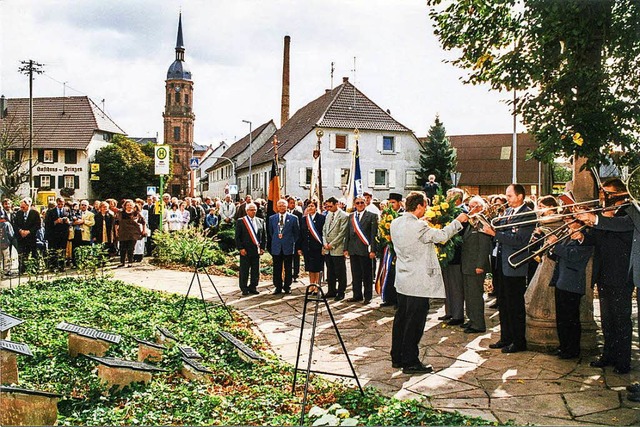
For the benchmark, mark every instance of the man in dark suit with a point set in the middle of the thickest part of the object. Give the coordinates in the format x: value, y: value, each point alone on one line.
x: 360, y: 248
x: 56, y: 229
x: 7, y: 210
x: 291, y: 208
x: 475, y: 264
x: 510, y: 239
x: 284, y: 231
x: 27, y: 223
x: 251, y: 238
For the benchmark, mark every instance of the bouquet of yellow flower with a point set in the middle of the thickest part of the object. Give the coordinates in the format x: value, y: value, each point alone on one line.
x: 440, y: 214
x: 388, y: 255
x: 384, y: 227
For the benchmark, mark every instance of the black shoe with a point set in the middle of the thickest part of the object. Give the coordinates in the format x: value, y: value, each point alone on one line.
x: 387, y: 304
x: 454, y: 322
x: 396, y: 365
x: 568, y: 355
x: 354, y: 300
x: 499, y: 344
x: 245, y: 293
x: 295, y: 279
x: 330, y: 295
x: 287, y: 291
x: 445, y: 317
x: 512, y: 348
x: 600, y: 362
x: 466, y: 325
x: 339, y: 297
x: 634, y: 388
x: 366, y: 302
x: 634, y: 397
x: 254, y: 291
x: 621, y: 371
x: 470, y: 330
x: 277, y: 292
x: 418, y: 369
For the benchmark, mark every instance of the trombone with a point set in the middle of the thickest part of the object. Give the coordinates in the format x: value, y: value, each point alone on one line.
x: 550, y: 218
x: 562, y: 233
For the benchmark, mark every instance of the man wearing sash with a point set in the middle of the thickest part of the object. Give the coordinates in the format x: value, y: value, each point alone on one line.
x: 250, y: 241
x: 359, y: 247
x: 284, y: 231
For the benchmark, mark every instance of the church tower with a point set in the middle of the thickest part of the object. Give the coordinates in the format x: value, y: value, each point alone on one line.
x: 178, y: 119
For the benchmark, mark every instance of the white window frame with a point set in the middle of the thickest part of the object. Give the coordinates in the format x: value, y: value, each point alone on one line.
x: 47, y: 156
x: 45, y: 181
x: 69, y: 179
x: 11, y: 155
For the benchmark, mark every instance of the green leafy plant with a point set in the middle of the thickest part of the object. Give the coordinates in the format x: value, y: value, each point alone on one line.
x: 91, y: 260
x: 185, y: 246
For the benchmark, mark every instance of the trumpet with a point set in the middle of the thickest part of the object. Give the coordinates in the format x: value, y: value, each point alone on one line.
x: 486, y: 215
x: 562, y: 233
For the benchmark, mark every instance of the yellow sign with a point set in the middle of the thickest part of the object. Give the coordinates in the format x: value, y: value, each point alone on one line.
x: 94, y: 177
x: 158, y: 207
x: 95, y: 167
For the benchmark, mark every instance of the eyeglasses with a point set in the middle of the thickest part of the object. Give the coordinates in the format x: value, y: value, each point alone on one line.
x: 359, y: 203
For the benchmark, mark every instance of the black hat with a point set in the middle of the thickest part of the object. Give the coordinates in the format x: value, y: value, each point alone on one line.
x: 395, y: 196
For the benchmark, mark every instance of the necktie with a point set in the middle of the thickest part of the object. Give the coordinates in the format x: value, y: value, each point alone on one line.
x: 104, y: 230
x: 358, y: 216
x: 281, y: 219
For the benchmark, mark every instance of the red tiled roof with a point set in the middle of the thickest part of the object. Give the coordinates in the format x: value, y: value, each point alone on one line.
x: 479, y: 159
x: 342, y: 107
x: 61, y: 122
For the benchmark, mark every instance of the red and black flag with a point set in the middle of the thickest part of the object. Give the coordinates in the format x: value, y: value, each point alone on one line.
x: 274, y: 181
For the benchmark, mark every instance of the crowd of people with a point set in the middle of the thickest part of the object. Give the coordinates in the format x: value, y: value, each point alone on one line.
x: 496, y: 232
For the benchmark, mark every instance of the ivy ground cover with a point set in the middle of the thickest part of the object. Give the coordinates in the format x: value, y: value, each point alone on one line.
x: 237, y: 393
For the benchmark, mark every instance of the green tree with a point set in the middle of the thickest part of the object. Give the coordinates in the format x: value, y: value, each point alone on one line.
x: 574, y: 64
x: 125, y: 170
x: 437, y: 156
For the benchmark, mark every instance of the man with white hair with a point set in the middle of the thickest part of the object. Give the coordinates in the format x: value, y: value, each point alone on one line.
x: 251, y: 239
x: 475, y: 264
x: 227, y: 211
x: 284, y: 231
x: 27, y: 223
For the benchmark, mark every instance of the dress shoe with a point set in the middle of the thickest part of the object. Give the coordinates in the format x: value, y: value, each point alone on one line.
x: 455, y: 322
x: 600, y: 362
x: 396, y: 365
x: 512, y: 348
x: 245, y: 293
x: 634, y: 397
x: 466, y: 325
x: 563, y: 355
x: 499, y: 344
x: 254, y: 291
x: 339, y: 298
x: 470, y: 330
x: 287, y: 291
x: 354, y: 300
x: 621, y: 371
x: 445, y: 317
x: 634, y: 388
x: 277, y: 292
x: 330, y: 295
x: 387, y: 304
x: 418, y: 369
x: 366, y: 302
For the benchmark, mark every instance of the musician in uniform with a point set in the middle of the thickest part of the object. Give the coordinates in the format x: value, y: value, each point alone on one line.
x: 514, y: 234
x: 251, y: 241
x: 359, y: 247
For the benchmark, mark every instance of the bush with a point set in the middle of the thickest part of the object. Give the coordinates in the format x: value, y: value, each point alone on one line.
x: 185, y: 247
x: 91, y: 260
x: 227, y: 239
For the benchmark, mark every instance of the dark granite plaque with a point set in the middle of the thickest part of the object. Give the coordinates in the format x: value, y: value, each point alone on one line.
x: 150, y: 344
x: 8, y: 321
x: 8, y: 389
x: 15, y: 347
x: 196, y: 365
x: 89, y: 332
x: 167, y: 333
x: 112, y: 362
x: 189, y: 352
x: 248, y: 351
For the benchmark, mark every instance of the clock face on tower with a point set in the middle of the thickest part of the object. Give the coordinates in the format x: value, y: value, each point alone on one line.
x: 176, y: 88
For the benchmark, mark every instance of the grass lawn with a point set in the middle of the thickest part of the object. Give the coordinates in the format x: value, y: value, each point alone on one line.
x: 238, y: 393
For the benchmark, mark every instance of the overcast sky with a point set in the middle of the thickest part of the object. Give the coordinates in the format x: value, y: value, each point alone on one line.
x: 120, y: 50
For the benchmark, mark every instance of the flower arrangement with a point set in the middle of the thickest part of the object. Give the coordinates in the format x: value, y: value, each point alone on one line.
x: 384, y: 227
x: 440, y: 214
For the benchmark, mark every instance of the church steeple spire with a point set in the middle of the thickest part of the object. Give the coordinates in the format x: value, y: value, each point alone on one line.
x: 179, y: 41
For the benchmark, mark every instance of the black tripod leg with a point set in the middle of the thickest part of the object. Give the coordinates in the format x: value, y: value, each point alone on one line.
x: 204, y: 303
x: 218, y: 293
x: 309, y: 361
x: 304, y: 313
x: 184, y: 301
x: 344, y: 348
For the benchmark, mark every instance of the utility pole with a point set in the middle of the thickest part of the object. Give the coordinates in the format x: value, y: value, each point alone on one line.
x: 29, y: 67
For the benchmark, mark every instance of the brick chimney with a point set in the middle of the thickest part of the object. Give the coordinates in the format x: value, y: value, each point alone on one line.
x: 284, y: 112
x: 345, y: 80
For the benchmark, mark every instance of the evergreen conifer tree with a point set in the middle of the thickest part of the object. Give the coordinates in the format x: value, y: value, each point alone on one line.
x: 437, y: 157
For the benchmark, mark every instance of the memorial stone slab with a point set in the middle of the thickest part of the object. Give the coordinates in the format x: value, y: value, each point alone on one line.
x: 194, y: 370
x: 244, y: 351
x: 189, y: 352
x: 7, y: 322
x: 121, y: 373
x: 165, y: 336
x: 27, y: 407
x: 150, y: 351
x: 85, y: 340
x: 9, y: 351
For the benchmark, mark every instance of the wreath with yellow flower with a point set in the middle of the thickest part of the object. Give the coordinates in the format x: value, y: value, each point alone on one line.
x: 440, y: 214
x: 384, y: 227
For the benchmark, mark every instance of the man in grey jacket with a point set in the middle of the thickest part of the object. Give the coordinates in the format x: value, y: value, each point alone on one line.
x: 418, y: 278
x: 333, y: 232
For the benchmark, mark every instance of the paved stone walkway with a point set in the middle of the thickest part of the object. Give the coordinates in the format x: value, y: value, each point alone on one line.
x: 527, y: 387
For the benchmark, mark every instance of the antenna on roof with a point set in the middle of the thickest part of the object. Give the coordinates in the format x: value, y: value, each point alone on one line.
x: 354, y: 70
x: 332, y: 70
x: 103, y: 108
x: 64, y: 95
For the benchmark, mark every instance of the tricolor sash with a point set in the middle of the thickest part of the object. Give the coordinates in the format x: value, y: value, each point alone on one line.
x: 312, y: 229
x: 382, y: 280
x: 358, y: 230
x: 252, y: 232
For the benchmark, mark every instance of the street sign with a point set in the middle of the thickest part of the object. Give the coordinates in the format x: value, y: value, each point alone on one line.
x: 151, y: 191
x: 95, y: 167
x: 233, y: 189
x: 94, y: 177
x: 194, y: 163
x: 161, y: 160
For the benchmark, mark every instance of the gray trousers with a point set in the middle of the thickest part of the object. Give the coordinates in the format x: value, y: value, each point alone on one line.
x: 454, y: 291
x: 473, y: 299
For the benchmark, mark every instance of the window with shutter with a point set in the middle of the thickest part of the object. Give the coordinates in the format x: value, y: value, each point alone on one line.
x: 388, y: 144
x: 70, y: 157
x: 37, y: 182
x: 76, y: 182
x: 45, y: 181
x: 52, y: 180
x: 61, y: 181
x: 392, y: 178
x: 69, y: 181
